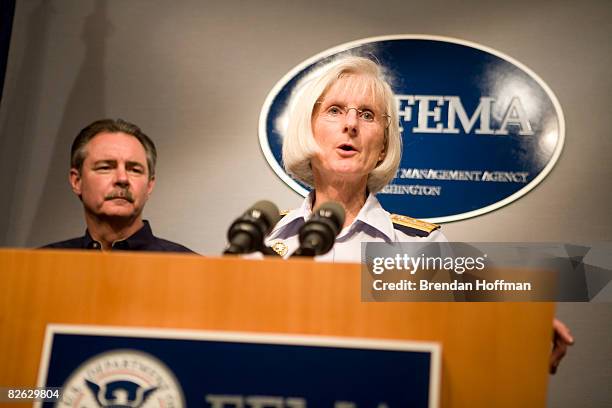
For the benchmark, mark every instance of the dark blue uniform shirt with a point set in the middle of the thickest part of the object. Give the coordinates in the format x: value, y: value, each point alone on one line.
x: 141, y: 240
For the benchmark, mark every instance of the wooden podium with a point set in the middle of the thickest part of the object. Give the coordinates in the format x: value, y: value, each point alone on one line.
x: 493, y: 354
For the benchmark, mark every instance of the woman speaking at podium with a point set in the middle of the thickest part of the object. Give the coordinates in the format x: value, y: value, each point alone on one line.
x: 343, y: 139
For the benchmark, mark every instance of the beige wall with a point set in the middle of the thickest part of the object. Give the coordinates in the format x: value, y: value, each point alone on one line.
x: 194, y: 75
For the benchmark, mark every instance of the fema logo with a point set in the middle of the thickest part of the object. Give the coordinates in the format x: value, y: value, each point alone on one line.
x: 479, y: 128
x: 122, y: 379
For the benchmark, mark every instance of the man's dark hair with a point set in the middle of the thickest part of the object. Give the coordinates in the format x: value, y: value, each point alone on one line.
x: 78, y: 150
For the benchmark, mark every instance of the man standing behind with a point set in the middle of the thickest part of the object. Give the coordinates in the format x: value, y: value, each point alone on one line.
x: 112, y: 171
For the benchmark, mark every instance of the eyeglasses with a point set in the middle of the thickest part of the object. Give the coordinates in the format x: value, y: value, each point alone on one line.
x: 335, y: 113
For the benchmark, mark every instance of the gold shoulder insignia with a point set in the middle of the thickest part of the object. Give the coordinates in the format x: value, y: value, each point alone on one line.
x: 412, y: 225
x: 280, y: 248
x: 284, y: 212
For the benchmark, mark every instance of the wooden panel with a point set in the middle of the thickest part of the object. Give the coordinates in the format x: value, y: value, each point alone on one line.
x: 494, y: 354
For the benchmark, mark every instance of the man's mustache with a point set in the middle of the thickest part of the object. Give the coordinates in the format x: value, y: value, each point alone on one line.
x: 121, y: 193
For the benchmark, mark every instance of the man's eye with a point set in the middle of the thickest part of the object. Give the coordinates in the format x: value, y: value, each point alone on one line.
x: 135, y: 169
x: 367, y: 115
x: 103, y: 168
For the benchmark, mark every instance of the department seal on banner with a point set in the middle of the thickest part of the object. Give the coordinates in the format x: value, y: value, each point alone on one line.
x: 122, y: 379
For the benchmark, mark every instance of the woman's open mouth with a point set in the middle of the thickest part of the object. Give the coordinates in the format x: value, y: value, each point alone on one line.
x: 347, y: 148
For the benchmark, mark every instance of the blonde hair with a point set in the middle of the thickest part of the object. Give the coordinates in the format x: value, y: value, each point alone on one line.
x: 299, y: 145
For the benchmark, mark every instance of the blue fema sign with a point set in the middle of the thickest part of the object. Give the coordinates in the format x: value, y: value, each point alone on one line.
x: 479, y: 128
x: 129, y: 368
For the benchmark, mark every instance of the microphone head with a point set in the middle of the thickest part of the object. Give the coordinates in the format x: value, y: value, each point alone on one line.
x: 333, y: 211
x: 267, y: 211
x: 318, y: 234
x: 247, y: 233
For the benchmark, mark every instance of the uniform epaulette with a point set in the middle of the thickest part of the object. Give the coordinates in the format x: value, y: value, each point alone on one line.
x: 285, y: 212
x: 412, y: 226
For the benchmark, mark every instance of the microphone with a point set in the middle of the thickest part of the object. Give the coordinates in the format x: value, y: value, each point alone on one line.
x: 247, y: 232
x: 318, y: 234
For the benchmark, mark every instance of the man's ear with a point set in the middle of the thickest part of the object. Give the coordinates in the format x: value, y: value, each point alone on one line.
x: 150, y: 186
x: 75, y: 181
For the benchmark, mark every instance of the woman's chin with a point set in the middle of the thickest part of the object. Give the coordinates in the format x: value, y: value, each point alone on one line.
x: 345, y: 176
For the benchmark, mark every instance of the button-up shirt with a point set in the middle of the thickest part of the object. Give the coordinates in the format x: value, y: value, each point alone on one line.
x: 372, y: 224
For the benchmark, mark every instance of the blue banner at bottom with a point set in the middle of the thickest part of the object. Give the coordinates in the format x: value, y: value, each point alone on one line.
x: 109, y: 367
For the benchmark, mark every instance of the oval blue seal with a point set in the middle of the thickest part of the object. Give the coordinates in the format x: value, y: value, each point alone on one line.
x: 479, y: 128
